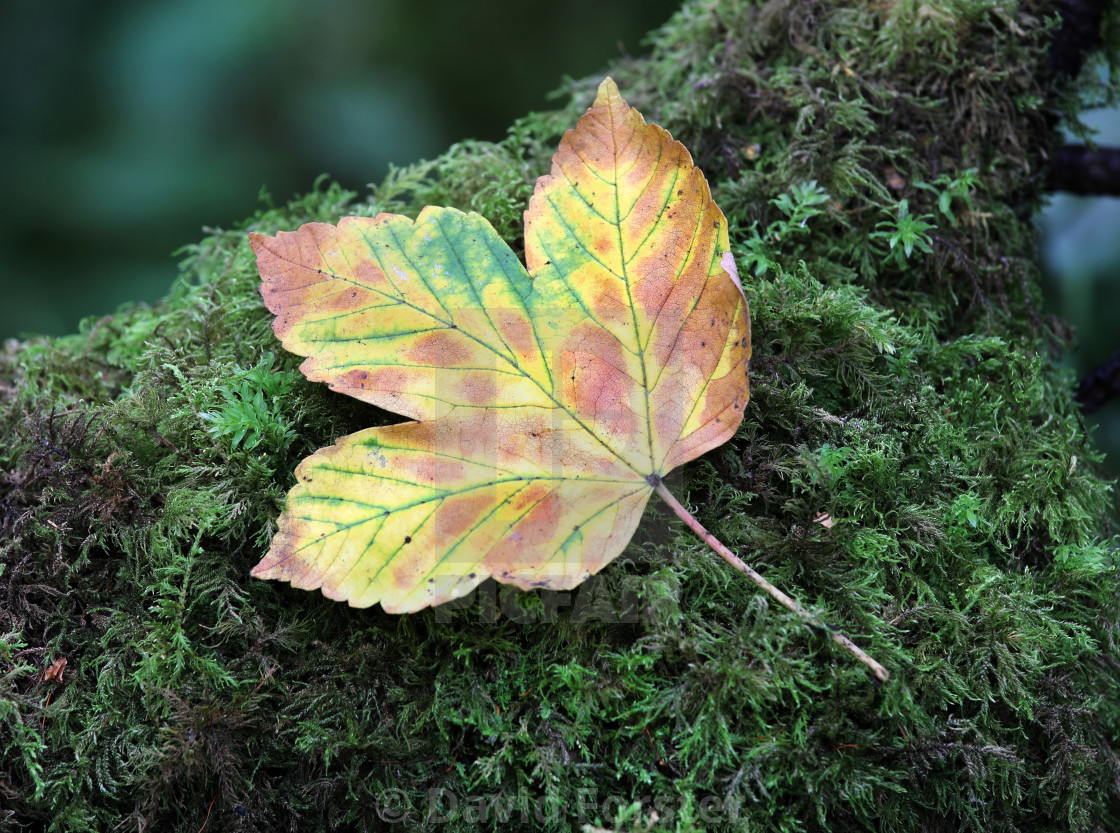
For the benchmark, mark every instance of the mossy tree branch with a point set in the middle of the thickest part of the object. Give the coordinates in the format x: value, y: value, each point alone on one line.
x: 906, y: 392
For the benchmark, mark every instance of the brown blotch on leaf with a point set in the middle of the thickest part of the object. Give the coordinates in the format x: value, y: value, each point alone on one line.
x: 439, y: 349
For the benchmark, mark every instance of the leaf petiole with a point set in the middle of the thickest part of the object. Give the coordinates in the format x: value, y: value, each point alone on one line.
x: 878, y: 670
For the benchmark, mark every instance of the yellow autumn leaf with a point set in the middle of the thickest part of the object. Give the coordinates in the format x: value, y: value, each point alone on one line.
x: 548, y: 400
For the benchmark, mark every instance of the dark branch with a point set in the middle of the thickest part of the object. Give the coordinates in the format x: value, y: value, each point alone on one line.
x: 1079, y: 35
x: 1080, y: 169
x: 1099, y: 385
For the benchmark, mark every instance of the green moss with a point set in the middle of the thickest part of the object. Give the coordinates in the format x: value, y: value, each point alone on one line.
x: 910, y: 396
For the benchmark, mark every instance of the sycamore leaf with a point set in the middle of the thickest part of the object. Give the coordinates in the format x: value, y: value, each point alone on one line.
x: 549, y: 401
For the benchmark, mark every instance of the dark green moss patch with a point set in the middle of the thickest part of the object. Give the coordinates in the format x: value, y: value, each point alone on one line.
x: 911, y: 466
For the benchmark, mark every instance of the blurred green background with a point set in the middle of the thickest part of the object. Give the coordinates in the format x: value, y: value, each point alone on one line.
x: 128, y: 125
x: 1081, y: 280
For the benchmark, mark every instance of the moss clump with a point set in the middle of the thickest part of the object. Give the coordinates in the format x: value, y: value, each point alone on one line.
x: 903, y: 386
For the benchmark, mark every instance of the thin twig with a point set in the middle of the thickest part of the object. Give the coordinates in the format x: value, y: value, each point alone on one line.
x: 878, y: 670
x: 208, y: 809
